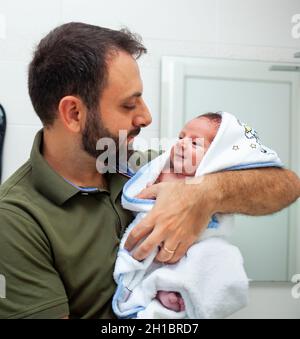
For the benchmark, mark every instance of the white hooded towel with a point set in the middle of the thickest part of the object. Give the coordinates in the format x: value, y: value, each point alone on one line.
x: 215, y: 284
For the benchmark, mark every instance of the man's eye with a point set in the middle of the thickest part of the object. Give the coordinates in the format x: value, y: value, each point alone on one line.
x: 129, y: 107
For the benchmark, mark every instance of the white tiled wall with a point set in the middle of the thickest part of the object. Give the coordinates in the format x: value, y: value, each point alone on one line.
x: 248, y: 29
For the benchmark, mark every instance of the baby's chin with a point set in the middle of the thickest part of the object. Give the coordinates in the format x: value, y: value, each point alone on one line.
x: 187, y: 173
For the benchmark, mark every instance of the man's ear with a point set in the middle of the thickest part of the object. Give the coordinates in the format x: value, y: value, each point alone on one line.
x: 72, y: 113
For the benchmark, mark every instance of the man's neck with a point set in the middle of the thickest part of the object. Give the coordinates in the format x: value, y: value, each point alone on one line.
x: 71, y: 163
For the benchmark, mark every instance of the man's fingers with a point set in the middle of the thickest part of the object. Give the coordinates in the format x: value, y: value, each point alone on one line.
x: 180, y: 253
x: 139, y: 232
x: 147, y: 246
x: 149, y: 192
x: 167, y: 250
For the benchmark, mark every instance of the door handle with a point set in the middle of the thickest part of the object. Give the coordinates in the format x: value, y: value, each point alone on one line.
x: 284, y: 68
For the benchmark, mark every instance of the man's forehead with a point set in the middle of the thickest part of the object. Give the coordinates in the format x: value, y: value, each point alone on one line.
x: 134, y: 95
x: 124, y: 76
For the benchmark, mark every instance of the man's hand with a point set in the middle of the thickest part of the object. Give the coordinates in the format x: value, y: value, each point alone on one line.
x: 181, y: 213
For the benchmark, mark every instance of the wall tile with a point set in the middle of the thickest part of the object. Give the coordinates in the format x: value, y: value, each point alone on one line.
x: 151, y: 95
x: 169, y: 19
x: 14, y: 94
x: 261, y: 53
x: 256, y: 22
x: 26, y: 23
x: 17, y: 147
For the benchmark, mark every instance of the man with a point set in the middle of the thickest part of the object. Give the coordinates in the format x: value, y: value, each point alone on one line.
x: 61, y: 221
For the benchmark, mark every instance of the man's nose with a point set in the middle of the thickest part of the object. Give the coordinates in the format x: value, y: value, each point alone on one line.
x: 143, y: 118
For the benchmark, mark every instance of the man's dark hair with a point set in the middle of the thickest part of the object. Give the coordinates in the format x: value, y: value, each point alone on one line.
x: 72, y: 60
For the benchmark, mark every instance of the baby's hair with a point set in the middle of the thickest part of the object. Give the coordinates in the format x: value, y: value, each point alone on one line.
x: 213, y: 117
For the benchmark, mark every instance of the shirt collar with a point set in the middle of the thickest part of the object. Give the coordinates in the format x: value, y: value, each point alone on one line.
x: 45, y: 179
x: 116, y: 183
x: 55, y: 187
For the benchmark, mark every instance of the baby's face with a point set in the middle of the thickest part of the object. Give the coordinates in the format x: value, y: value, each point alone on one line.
x: 194, y: 140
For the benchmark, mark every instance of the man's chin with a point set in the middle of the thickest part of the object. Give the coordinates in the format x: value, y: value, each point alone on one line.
x: 130, y: 140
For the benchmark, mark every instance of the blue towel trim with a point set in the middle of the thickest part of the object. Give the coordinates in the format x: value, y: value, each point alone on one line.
x: 214, y: 223
x: 118, y: 294
x: 129, y: 183
x: 255, y: 165
x: 129, y: 173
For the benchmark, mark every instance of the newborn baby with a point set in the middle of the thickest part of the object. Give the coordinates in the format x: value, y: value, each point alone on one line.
x: 209, y: 282
x: 194, y: 141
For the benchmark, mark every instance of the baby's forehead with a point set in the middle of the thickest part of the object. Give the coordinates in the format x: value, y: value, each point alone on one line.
x: 198, y: 127
x: 200, y: 121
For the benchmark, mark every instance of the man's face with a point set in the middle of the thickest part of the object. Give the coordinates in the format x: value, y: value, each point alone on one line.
x: 121, y: 105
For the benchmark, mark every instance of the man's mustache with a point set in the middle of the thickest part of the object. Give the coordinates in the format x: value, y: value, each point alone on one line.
x: 135, y: 132
x: 121, y: 141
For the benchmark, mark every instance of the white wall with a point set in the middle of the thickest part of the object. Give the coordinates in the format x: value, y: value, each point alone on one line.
x: 248, y: 29
x: 251, y: 29
x: 271, y: 301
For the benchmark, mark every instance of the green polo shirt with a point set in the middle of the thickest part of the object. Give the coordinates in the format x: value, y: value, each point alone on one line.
x: 58, y: 244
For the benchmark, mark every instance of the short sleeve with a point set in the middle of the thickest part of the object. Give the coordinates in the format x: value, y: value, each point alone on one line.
x: 31, y: 286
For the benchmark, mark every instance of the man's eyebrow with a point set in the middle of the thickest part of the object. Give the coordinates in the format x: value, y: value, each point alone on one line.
x: 134, y: 95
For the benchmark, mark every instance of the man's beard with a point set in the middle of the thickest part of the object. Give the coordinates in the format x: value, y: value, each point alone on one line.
x: 95, y: 130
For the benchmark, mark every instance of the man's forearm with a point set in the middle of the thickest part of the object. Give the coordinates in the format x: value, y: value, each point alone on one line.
x: 256, y: 191
x: 183, y: 209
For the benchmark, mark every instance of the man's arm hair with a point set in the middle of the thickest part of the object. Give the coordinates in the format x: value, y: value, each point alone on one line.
x: 257, y: 191
x: 179, y: 221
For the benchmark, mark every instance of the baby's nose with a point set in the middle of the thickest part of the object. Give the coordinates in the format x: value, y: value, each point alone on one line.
x: 181, y: 145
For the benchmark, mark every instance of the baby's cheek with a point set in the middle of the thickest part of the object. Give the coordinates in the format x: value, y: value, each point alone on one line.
x: 197, y: 156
